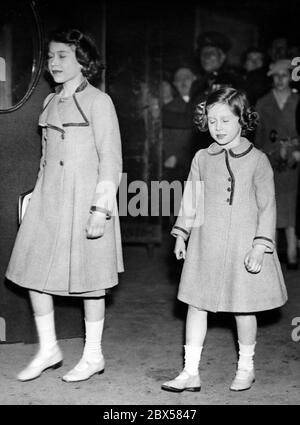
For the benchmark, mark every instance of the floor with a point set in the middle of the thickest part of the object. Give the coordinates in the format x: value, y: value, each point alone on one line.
x: 142, y: 344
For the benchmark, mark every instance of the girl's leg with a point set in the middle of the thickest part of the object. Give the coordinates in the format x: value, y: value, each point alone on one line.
x: 246, y: 330
x: 49, y: 354
x: 291, y: 240
x: 94, y: 312
x: 94, y: 309
x: 92, y: 360
x: 189, y: 378
x: 43, y: 310
x: 196, y: 327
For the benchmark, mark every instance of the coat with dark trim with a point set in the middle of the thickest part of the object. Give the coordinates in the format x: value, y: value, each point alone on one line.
x: 80, y: 170
x: 236, y: 206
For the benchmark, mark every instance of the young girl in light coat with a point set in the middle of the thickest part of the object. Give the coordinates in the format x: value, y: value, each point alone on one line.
x: 230, y: 263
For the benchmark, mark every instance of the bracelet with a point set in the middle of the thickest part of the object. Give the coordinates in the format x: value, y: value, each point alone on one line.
x: 99, y: 209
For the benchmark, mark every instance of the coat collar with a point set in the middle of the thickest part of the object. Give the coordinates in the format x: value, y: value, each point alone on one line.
x: 80, y: 88
x: 241, y: 150
x: 51, y: 118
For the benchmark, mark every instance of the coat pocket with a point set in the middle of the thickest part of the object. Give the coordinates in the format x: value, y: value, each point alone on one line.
x: 191, y: 213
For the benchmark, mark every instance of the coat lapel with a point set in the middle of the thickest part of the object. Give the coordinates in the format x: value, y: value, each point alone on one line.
x: 50, y: 117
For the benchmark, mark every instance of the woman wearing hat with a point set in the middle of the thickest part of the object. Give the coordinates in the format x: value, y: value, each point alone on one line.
x: 278, y: 137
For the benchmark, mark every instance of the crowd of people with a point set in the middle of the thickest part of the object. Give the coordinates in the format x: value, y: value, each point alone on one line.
x: 266, y: 79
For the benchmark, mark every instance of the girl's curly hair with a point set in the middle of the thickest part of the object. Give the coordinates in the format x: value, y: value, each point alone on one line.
x: 238, y: 103
x: 85, y: 49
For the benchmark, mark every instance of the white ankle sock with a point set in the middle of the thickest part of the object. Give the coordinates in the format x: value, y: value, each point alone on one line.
x: 192, y: 358
x: 46, y: 331
x: 246, y: 354
x: 93, y: 335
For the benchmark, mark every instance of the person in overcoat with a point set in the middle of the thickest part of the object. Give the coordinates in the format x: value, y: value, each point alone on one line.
x: 177, y: 126
x: 230, y: 264
x: 254, y: 80
x: 277, y: 136
x: 69, y: 241
x: 212, y: 53
x: 178, y: 133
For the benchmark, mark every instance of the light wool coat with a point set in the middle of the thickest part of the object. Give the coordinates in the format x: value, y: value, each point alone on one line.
x: 234, y: 211
x: 80, y: 167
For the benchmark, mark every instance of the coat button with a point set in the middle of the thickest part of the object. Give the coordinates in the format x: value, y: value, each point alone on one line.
x: 229, y: 189
x: 227, y: 200
x: 61, y: 163
x: 229, y: 179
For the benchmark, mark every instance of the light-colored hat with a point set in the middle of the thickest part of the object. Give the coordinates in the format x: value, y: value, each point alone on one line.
x: 280, y: 65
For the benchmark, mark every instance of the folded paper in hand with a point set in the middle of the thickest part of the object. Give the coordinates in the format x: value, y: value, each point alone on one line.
x: 24, y: 199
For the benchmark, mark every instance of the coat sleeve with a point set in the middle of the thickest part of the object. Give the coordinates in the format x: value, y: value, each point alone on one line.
x: 191, y: 212
x: 108, y: 144
x: 265, y: 198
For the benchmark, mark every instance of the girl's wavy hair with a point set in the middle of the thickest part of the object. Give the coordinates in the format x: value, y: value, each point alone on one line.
x: 86, y: 50
x: 237, y: 102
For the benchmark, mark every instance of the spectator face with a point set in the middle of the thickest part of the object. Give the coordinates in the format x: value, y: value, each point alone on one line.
x: 212, y: 58
x: 254, y: 61
x: 183, y: 80
x: 166, y: 93
x: 281, y: 80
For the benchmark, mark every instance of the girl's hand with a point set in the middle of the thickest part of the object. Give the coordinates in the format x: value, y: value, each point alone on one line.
x: 171, y: 162
x: 96, y: 225
x: 283, y: 152
x: 254, y: 259
x: 179, y: 249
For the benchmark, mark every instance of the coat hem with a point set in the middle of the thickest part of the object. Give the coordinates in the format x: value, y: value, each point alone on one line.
x: 86, y: 293
x: 240, y: 310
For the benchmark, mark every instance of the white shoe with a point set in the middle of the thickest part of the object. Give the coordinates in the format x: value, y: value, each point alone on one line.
x: 42, y: 361
x: 84, y: 370
x: 183, y: 382
x: 243, y: 380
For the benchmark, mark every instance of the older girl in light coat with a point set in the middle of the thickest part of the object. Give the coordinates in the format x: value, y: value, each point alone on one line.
x: 69, y: 241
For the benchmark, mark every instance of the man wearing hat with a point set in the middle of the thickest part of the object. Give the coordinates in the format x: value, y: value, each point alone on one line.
x: 212, y: 49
